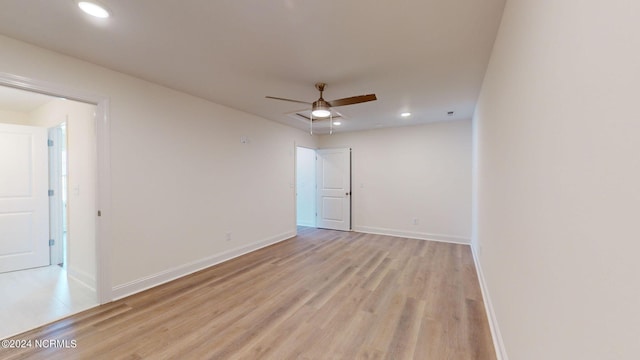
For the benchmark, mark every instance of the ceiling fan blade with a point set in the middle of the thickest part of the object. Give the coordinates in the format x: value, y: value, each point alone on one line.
x: 352, y: 100
x: 291, y: 100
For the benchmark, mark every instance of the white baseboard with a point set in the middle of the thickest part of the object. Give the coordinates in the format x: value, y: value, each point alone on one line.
x: 82, y: 277
x: 307, y: 224
x: 501, y: 353
x: 160, y: 278
x: 413, y: 235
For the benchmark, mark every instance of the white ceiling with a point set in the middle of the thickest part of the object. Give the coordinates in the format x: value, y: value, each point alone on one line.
x: 423, y: 56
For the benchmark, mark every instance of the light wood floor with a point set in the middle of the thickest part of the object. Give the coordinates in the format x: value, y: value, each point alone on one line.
x: 321, y: 295
x: 39, y: 296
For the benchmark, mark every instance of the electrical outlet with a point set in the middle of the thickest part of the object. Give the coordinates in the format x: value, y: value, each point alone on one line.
x: 228, y: 236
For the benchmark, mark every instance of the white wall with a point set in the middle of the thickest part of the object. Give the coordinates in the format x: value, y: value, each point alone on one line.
x: 421, y: 172
x: 306, y: 186
x: 558, y: 174
x: 13, y: 117
x: 180, y: 177
x: 81, y: 205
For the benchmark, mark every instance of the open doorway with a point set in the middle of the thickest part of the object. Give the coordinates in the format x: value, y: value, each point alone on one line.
x: 323, y: 188
x: 63, y: 182
x: 305, y: 187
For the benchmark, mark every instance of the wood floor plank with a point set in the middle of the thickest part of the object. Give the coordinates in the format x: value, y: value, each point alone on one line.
x: 323, y: 294
x: 406, y: 334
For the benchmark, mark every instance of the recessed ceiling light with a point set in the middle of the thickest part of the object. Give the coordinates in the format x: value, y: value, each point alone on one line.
x: 337, y: 123
x: 93, y: 9
x: 405, y: 114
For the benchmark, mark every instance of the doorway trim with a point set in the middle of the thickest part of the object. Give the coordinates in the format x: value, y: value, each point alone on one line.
x: 103, y: 186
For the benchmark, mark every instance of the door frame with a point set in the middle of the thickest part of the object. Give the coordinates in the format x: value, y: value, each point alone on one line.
x: 103, y: 186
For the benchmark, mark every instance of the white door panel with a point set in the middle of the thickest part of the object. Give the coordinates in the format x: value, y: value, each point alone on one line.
x: 15, y: 232
x: 16, y: 157
x: 333, y: 170
x: 332, y: 208
x: 24, y: 216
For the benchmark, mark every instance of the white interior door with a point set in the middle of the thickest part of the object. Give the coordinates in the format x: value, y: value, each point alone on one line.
x: 333, y: 171
x: 24, y: 207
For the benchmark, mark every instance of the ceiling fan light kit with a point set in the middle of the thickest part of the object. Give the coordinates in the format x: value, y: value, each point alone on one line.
x: 94, y: 9
x: 321, y: 109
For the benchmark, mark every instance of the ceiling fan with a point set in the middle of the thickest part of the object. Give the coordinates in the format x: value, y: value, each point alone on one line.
x: 321, y: 109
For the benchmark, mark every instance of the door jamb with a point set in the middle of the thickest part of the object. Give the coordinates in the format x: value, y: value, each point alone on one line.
x: 56, y: 250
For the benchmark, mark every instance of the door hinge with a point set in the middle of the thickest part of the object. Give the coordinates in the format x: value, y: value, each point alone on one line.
x: 50, y: 192
x: 52, y: 242
x: 49, y: 142
x: 99, y: 213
